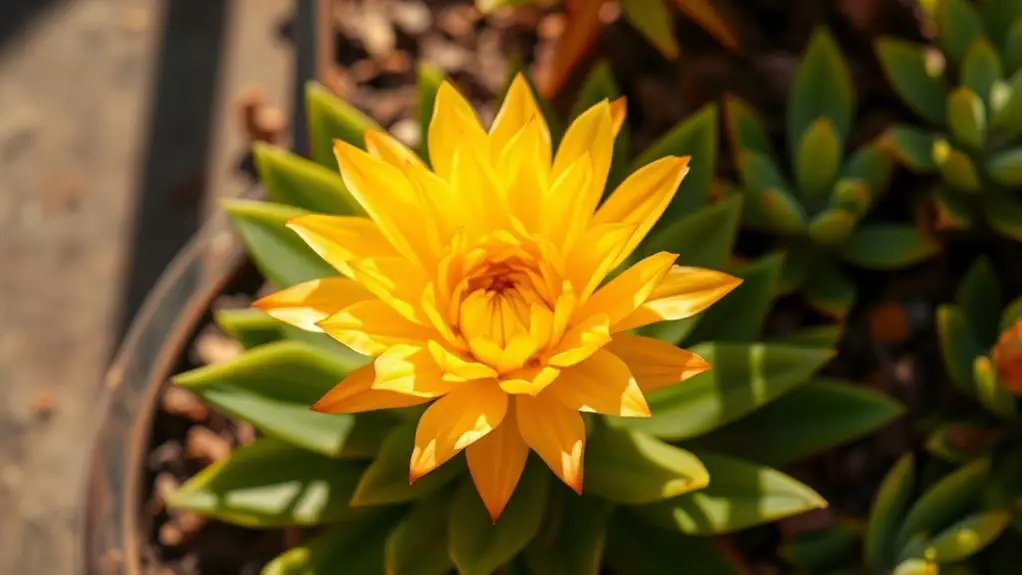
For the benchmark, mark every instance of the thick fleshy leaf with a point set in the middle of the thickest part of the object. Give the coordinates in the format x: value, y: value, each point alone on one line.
x: 703, y: 238
x: 297, y: 182
x: 744, y: 378
x: 913, y: 147
x: 331, y: 119
x: 630, y: 467
x: 959, y: 346
x: 478, y: 545
x: 745, y: 128
x: 253, y: 328
x: 832, y: 227
x: 869, y: 164
x: 281, y: 256
x: 740, y: 495
x: 829, y: 289
x: 946, y: 501
x: 739, y: 316
x: 385, y: 481
x: 817, y: 159
x: 418, y: 544
x: 1012, y: 45
x: 1006, y: 105
x: 915, y: 567
x: 998, y: 17
x: 1003, y: 211
x: 966, y: 117
x: 888, y: 246
x: 807, y: 421
x: 353, y: 545
x: 955, y: 166
x: 271, y: 484
x: 774, y: 210
x: 635, y: 546
x: 576, y: 545
x: 980, y: 297
x: 968, y: 536
x: 852, y: 196
x: 825, y: 550
x: 990, y: 392
x: 982, y: 69
x: 430, y: 78
x: 822, y: 89
x: 654, y: 21
x: 1005, y: 167
x: 917, y: 75
x: 958, y: 26
x: 272, y: 387
x: 696, y: 137
x: 824, y: 336
x: 889, y: 508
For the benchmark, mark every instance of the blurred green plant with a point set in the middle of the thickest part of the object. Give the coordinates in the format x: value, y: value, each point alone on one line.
x: 818, y: 212
x: 647, y: 505
x: 972, y: 132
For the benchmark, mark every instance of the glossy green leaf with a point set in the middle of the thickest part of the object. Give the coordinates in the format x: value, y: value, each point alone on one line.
x: 825, y: 550
x: 599, y: 85
x: 796, y: 265
x: 954, y: 210
x: 429, y: 79
x: 807, y: 421
x: 272, y: 387
x: 889, y: 508
x: 655, y: 22
x: 271, y: 484
x: 478, y: 546
x: 989, y: 391
x: 959, y: 346
x: 744, y: 378
x: 1005, y: 167
x: 998, y: 17
x: 636, y: 547
x: 386, y: 481
x: 955, y: 167
x: 1012, y: 45
x: 870, y: 164
x: 1005, y: 484
x: 774, y: 210
x: 917, y: 75
x: 739, y: 317
x: 577, y: 541
x: 980, y: 297
x: 818, y: 159
x: 418, y: 544
x: 966, y: 117
x: 740, y: 495
x: 332, y: 119
x: 1003, y: 211
x: 1006, y: 107
x: 829, y: 289
x: 958, y: 26
x: 852, y: 196
x: 295, y: 181
x: 630, y: 467
x: 353, y: 545
x: 822, y: 89
x: 281, y: 256
x: 967, y: 537
x: 912, y: 147
x: 696, y: 137
x: 832, y: 227
x: 981, y: 69
x: 745, y: 128
x: 914, y: 549
x: 703, y: 238
x: 888, y: 246
x: 823, y: 336
x: 945, y: 501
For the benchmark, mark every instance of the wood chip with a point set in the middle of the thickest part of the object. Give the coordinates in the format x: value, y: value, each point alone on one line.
x: 888, y: 323
x: 213, y: 347
x: 413, y: 18
x: 204, y: 445
x: 45, y: 404
x: 179, y: 401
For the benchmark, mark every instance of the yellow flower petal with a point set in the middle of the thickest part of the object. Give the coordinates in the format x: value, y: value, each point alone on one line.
x: 455, y: 421
x: 454, y: 124
x: 629, y: 290
x: 518, y: 109
x: 564, y: 215
x: 601, y: 384
x: 457, y: 368
x: 655, y: 364
x: 642, y: 198
x: 618, y: 111
x: 684, y: 292
x: 474, y: 186
x: 395, y: 282
x: 496, y: 463
x: 530, y: 380
x: 356, y: 395
x: 307, y: 303
x: 410, y: 370
x: 371, y: 326
x: 390, y: 150
x: 591, y: 133
x: 524, y: 168
x: 594, y: 255
x: 582, y: 341
x: 555, y: 432
x: 340, y: 239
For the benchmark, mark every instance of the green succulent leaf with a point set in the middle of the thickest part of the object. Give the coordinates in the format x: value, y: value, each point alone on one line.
x: 741, y: 495
x: 418, y: 544
x: 1003, y: 210
x: 825, y: 550
x: 966, y: 117
x: 912, y: 147
x: 1012, y: 45
x: 981, y: 299
x: 630, y: 467
x: 822, y: 88
x: 917, y: 75
x: 739, y: 317
x: 745, y: 377
x: 253, y: 328
x: 1006, y: 108
x: 696, y: 137
x: 332, y: 119
x: 774, y: 210
x: 655, y: 22
x: 576, y: 546
x: 745, y: 129
x: 281, y: 256
x: 889, y: 508
x: 945, y: 501
x: 634, y: 546
x: 829, y: 290
x: 888, y: 246
x: 852, y: 196
x: 982, y: 69
x: 272, y: 387
x: 968, y: 536
x: 271, y: 484
x: 385, y: 481
x: 989, y: 390
x: 998, y: 16
x: 601, y: 85
x: 915, y: 567
x: 818, y: 159
x: 824, y: 336
x: 297, y: 182
x: 796, y: 266
x: 870, y: 164
x: 430, y: 78
x: 832, y: 227
x: 1012, y: 314
x: 478, y: 546
x: 1005, y: 167
x: 955, y: 167
x: 809, y: 420
x: 958, y: 26
x: 353, y: 545
x: 959, y: 346
x: 944, y: 442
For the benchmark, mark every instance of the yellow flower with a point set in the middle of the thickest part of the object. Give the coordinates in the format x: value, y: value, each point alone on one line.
x: 477, y: 286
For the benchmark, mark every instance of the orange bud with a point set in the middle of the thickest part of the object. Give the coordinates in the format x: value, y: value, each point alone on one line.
x: 1007, y: 357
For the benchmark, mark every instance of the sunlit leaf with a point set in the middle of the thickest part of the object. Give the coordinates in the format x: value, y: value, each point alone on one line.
x: 418, y: 544
x: 353, y: 545
x: 945, y: 501
x: 916, y: 75
x: 889, y: 508
x: 822, y: 89
x: 332, y: 119
x: 630, y: 467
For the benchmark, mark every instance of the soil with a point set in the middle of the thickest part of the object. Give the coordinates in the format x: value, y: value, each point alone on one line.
x: 890, y: 342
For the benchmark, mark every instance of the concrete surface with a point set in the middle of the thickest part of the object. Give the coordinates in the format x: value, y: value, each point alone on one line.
x: 115, y: 132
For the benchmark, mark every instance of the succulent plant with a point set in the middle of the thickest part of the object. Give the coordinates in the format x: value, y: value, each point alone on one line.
x: 972, y: 132
x: 647, y: 501
x: 818, y: 212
